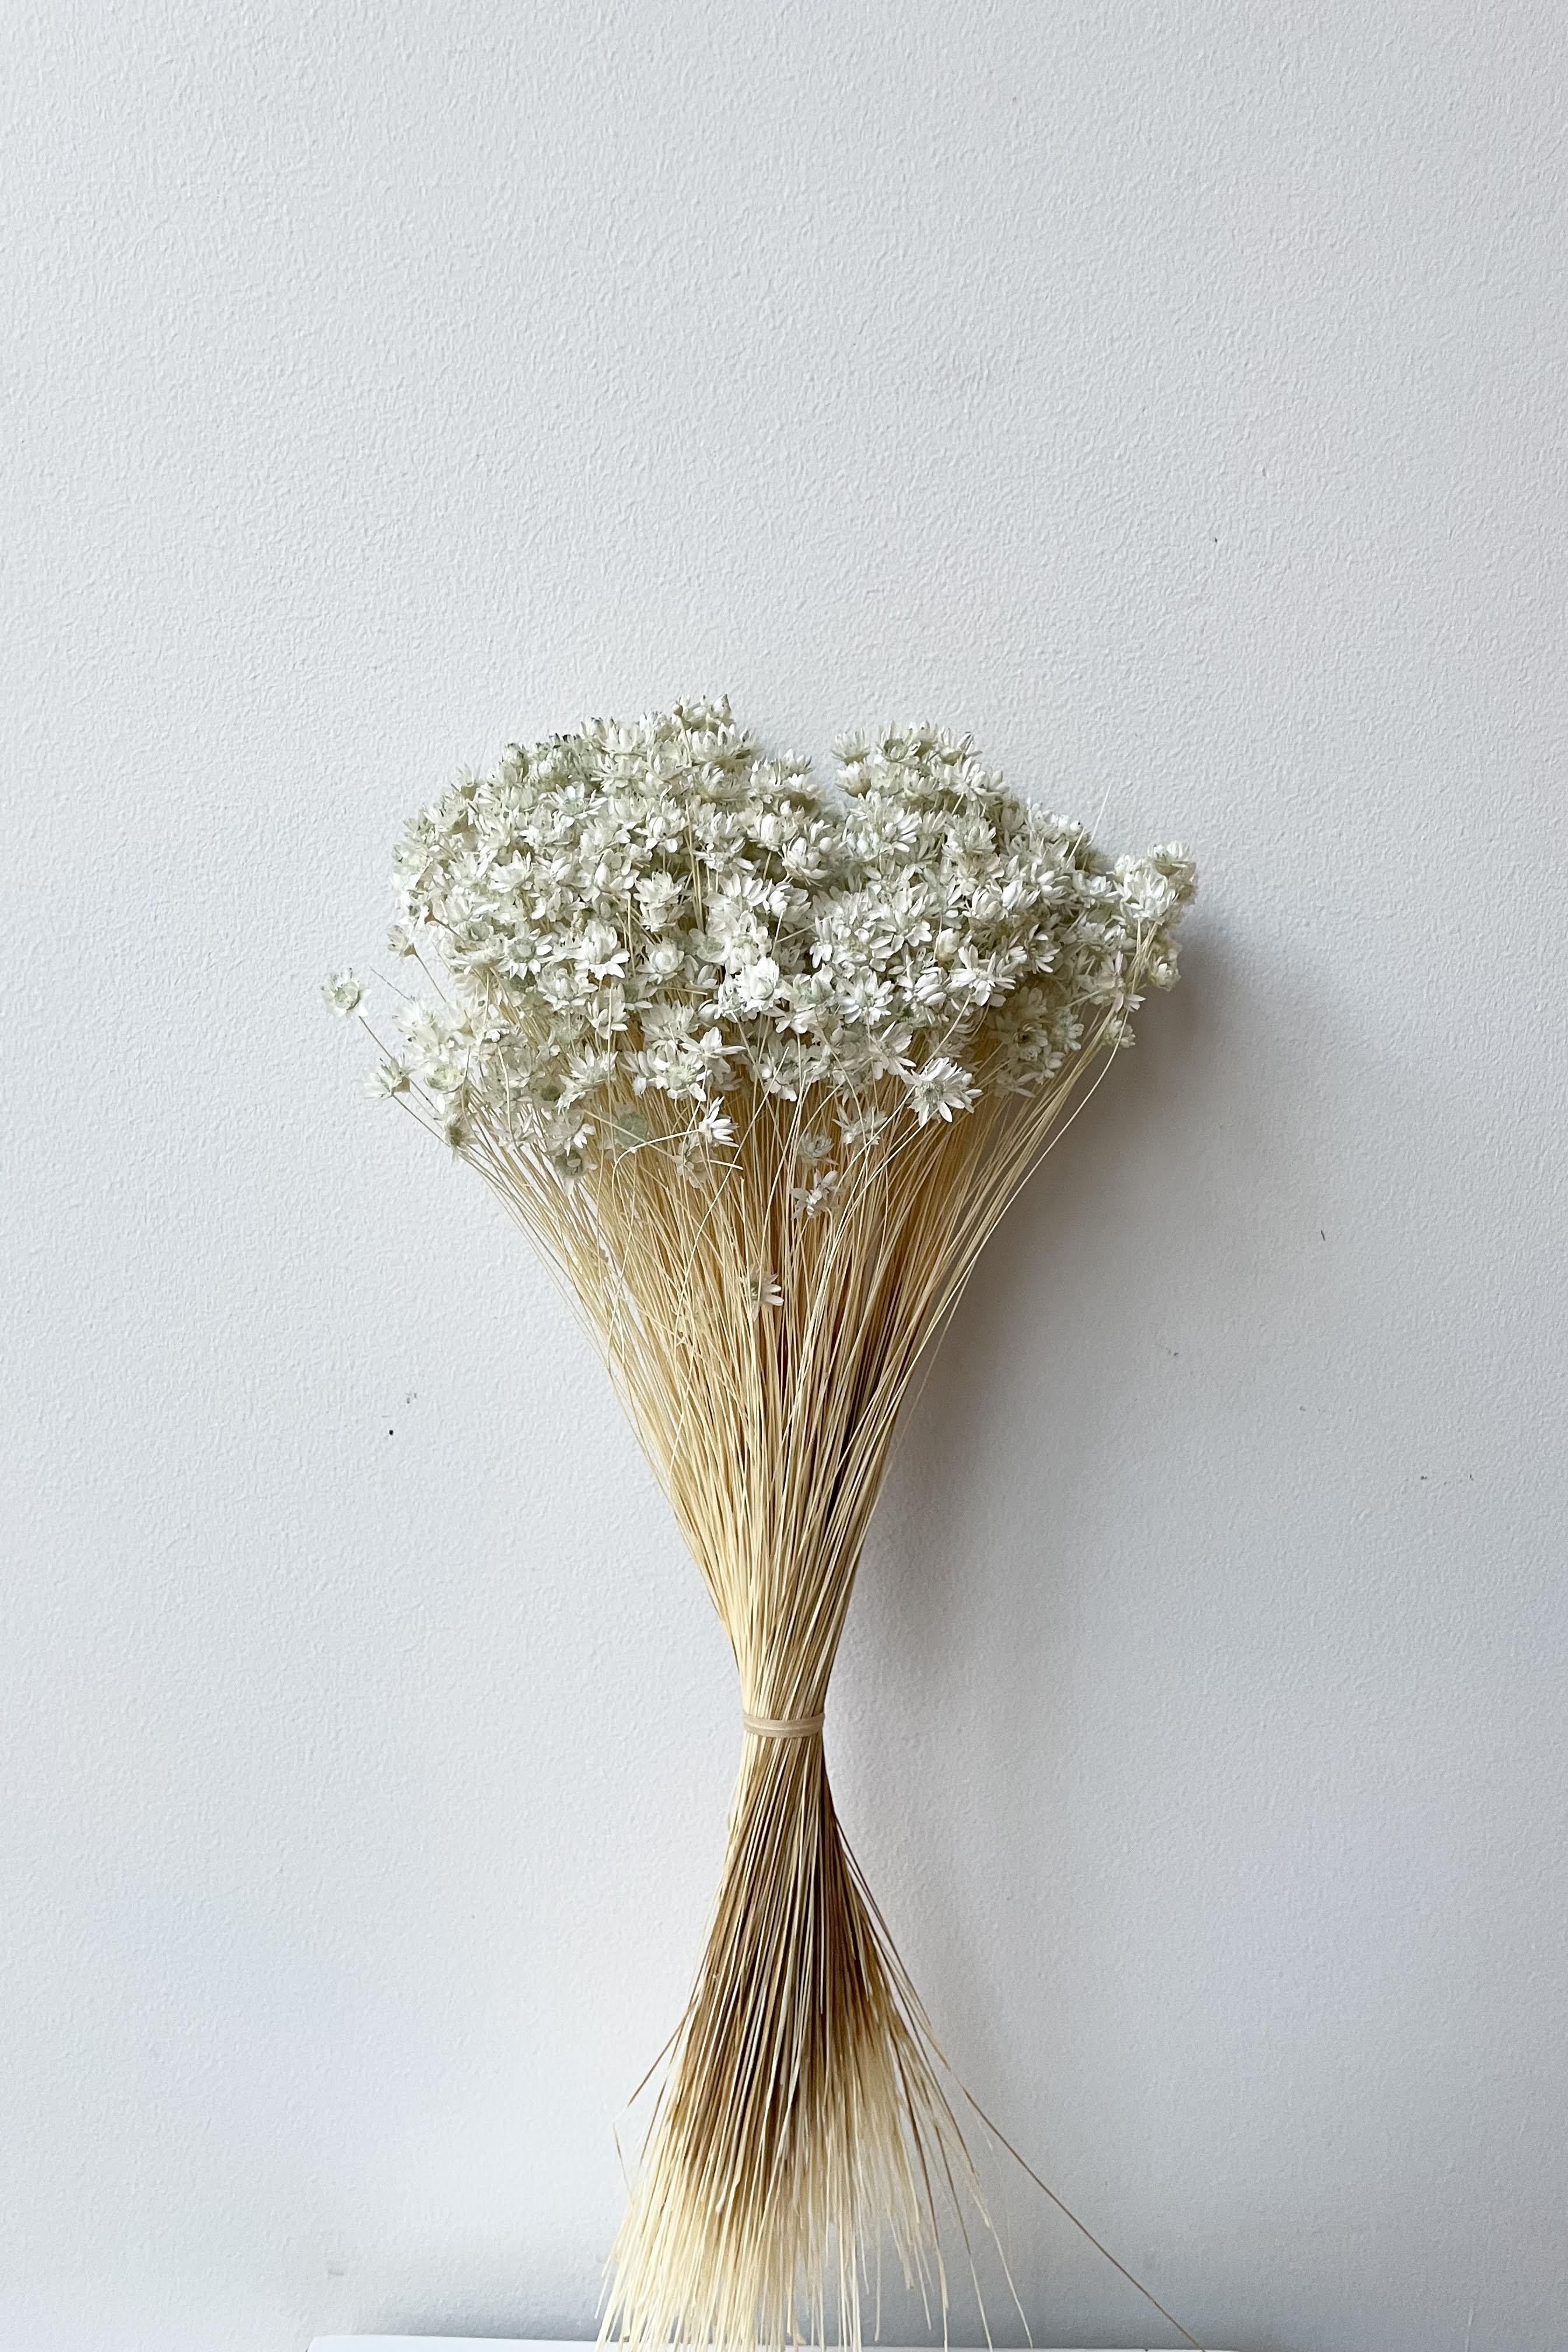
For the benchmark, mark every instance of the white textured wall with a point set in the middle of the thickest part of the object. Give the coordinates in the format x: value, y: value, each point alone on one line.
x: 1170, y: 394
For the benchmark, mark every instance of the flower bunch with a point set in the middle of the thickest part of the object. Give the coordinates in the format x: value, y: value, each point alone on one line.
x: 641, y: 922
x: 759, y: 1064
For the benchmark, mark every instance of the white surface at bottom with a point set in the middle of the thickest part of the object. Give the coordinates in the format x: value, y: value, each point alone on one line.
x: 497, y: 2344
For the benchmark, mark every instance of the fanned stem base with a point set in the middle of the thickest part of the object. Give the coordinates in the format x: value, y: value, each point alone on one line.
x: 802, y: 2116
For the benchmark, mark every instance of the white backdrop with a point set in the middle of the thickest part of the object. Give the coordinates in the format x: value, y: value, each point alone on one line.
x: 1171, y: 396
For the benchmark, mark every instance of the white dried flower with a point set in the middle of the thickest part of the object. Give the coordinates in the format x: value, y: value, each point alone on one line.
x: 715, y: 1127
x: 814, y: 1198
x: 939, y: 1089
x: 627, y: 1130
x: 344, y: 993
x: 861, y: 1127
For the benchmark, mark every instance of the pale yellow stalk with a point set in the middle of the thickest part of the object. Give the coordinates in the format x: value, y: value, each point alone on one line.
x: 801, y: 2121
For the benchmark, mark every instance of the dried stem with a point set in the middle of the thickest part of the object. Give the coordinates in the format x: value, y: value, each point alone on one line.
x: 762, y: 1355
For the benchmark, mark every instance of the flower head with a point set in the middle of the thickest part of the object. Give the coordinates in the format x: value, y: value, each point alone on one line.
x: 344, y: 993
x: 651, y: 911
x: 939, y: 1089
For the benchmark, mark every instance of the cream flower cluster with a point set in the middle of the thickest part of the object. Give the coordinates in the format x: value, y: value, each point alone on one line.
x: 638, y: 920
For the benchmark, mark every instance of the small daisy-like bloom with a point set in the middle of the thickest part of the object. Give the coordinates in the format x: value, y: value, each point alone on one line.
x: 755, y: 988
x: 814, y: 1200
x: 600, y: 952
x: 388, y: 1078
x: 715, y: 1127
x: 658, y: 895
x: 761, y: 1289
x: 344, y: 993
x: 862, y: 1128
x: 940, y: 1088
x: 627, y: 1131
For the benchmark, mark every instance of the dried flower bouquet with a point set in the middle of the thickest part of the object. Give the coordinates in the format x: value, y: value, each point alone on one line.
x: 759, y: 1064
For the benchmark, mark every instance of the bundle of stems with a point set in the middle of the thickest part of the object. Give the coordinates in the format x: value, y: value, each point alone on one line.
x: 803, y: 2116
x: 760, y: 1067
